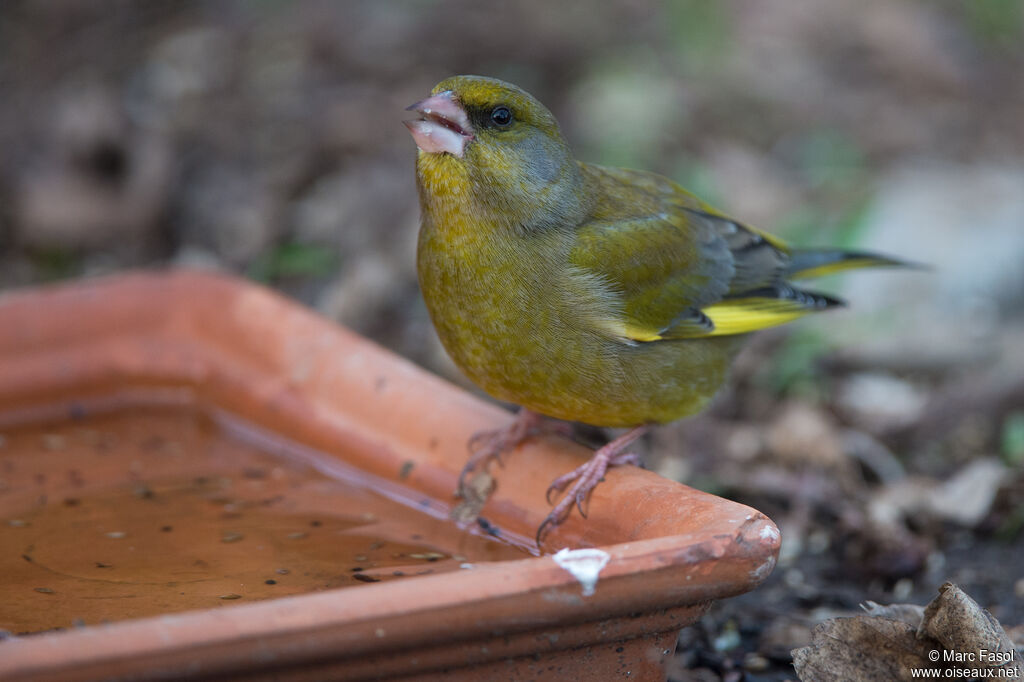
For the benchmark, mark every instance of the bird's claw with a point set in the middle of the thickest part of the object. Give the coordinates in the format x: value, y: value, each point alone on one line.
x: 561, y: 512
x: 488, y: 446
x: 580, y: 481
x: 547, y: 495
x: 580, y: 497
x: 555, y: 518
x: 542, y: 529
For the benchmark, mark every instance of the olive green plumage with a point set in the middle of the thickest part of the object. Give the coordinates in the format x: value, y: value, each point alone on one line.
x: 602, y: 295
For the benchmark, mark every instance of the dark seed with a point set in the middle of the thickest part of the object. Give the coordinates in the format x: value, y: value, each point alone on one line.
x: 362, y: 577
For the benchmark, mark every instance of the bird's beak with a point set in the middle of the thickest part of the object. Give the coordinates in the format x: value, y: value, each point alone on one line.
x: 443, y: 125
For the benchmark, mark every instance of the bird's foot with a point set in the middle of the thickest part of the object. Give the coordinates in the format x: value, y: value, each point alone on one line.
x: 585, y: 478
x: 486, y: 446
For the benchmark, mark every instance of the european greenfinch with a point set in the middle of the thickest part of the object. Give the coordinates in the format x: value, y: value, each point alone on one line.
x: 600, y: 295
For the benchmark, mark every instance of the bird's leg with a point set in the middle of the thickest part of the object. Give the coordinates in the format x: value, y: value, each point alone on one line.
x: 586, y: 476
x: 485, y: 446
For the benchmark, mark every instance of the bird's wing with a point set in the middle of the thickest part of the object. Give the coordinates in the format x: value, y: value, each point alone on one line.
x: 679, y: 268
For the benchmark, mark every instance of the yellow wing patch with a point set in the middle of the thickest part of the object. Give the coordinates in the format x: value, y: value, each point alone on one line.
x: 744, y: 315
x: 729, y: 317
x: 635, y: 333
x: 628, y: 332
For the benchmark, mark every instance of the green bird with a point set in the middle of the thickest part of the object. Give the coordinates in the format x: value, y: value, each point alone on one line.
x: 606, y: 296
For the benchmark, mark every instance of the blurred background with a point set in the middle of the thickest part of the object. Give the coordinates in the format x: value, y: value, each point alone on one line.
x: 264, y: 138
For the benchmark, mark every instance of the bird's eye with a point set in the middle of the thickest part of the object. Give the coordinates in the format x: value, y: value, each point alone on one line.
x: 501, y: 116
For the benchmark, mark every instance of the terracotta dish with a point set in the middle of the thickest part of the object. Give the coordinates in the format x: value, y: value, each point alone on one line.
x: 200, y: 479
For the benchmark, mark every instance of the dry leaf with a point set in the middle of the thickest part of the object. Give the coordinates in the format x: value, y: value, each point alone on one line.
x: 955, y: 636
x: 911, y: 614
x: 968, y: 631
x: 861, y: 648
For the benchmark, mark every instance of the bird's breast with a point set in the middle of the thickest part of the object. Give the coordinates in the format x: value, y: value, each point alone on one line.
x: 526, y: 327
x: 501, y: 304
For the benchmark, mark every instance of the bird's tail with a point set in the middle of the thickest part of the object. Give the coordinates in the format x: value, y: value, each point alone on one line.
x: 769, y: 306
x: 807, y: 263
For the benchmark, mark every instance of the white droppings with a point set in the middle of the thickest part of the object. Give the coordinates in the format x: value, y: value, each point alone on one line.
x: 466, y: 566
x: 583, y: 564
x: 769, y: 532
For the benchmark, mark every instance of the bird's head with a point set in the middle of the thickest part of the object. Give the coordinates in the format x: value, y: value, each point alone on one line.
x: 497, y: 142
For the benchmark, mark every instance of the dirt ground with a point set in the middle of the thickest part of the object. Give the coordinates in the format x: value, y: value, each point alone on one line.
x: 886, y: 440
